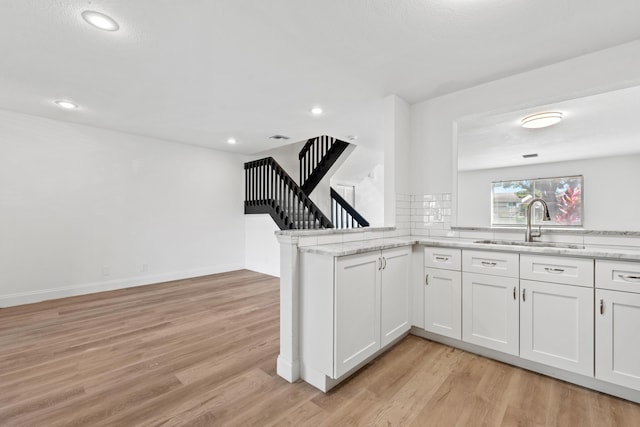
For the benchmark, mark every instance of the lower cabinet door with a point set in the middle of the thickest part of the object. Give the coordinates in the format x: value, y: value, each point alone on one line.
x: 490, y: 311
x: 556, y: 325
x: 617, y: 341
x: 357, y: 310
x: 395, y: 314
x: 443, y: 302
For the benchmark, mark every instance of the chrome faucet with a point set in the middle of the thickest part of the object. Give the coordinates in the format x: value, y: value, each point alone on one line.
x: 529, y: 235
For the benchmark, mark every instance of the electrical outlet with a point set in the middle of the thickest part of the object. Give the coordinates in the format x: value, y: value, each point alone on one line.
x: 106, y: 270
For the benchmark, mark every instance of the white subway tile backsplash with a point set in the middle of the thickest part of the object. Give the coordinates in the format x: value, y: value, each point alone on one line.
x: 307, y: 241
x: 476, y: 235
x: 612, y: 240
x: 430, y: 212
x: 329, y: 239
x: 353, y: 237
x: 444, y: 233
x: 368, y: 235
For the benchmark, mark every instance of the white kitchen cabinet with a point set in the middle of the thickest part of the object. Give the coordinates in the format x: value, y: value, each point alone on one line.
x: 618, y: 346
x: 490, y: 311
x: 350, y: 307
x: 556, y: 325
x: 618, y: 322
x: 357, y: 310
x: 443, y: 291
x: 394, y: 300
x: 443, y: 302
x: 568, y: 270
x: 371, y: 304
x: 493, y: 263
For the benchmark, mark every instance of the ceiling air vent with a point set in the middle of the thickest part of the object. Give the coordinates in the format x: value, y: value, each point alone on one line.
x: 279, y: 137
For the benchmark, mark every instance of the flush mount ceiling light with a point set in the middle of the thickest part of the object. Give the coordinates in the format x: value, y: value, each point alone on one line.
x: 68, y: 105
x: 100, y: 20
x: 541, y: 120
x: 231, y: 141
x: 316, y: 111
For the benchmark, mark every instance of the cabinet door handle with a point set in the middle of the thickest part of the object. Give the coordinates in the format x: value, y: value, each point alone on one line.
x: 379, y: 262
x: 426, y: 281
x: 442, y: 258
x: 385, y: 262
x: 524, y: 294
x: 554, y: 270
x: 629, y: 277
x: 514, y: 293
x: 602, y: 306
x: 488, y: 264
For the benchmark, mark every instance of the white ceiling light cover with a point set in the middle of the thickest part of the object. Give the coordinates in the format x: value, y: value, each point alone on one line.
x: 541, y: 120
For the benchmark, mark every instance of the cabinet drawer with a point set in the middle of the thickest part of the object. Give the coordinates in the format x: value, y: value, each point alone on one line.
x: 571, y: 271
x: 494, y: 263
x: 618, y: 275
x: 446, y: 258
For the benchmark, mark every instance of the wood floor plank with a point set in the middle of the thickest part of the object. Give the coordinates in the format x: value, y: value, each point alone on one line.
x: 202, y: 351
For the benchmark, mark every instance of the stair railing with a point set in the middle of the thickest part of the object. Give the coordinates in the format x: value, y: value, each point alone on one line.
x: 316, y: 158
x: 343, y: 215
x: 269, y: 189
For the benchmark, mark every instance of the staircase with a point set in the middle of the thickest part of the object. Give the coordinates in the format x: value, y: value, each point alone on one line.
x: 343, y: 215
x: 316, y: 158
x: 270, y: 190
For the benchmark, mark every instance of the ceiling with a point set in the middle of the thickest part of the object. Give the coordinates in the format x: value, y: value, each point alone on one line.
x: 201, y: 71
x: 600, y: 125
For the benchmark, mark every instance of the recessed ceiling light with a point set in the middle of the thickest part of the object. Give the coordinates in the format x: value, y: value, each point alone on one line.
x: 316, y: 111
x: 231, y: 141
x: 66, y: 104
x: 100, y: 20
x: 352, y: 137
x: 541, y: 120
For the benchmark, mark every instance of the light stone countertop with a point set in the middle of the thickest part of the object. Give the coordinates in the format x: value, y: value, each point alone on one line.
x: 628, y: 253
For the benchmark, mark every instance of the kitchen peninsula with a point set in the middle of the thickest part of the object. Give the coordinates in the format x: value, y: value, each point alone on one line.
x: 347, y: 296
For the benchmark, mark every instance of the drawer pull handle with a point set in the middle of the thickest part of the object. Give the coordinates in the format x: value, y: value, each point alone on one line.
x: 488, y: 264
x: 554, y: 270
x: 629, y: 278
x: 524, y: 295
x: 601, y: 306
x: 442, y: 258
x: 514, y: 293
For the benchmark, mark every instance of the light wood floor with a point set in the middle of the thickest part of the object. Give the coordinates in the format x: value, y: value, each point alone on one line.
x: 201, y: 352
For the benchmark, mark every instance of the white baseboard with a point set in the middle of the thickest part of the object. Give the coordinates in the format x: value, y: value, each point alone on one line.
x: 9, y: 300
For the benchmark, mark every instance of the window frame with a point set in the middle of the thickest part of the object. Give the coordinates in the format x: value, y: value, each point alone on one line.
x: 552, y: 207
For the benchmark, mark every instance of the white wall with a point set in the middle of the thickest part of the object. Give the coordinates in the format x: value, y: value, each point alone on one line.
x: 397, y: 146
x: 286, y: 156
x: 608, y: 190
x: 84, y: 209
x: 262, y: 250
x: 433, y: 149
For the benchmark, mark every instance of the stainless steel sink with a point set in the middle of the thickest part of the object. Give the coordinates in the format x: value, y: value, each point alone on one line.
x: 535, y: 244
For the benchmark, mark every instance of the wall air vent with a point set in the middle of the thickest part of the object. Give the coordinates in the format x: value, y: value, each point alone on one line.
x: 279, y: 137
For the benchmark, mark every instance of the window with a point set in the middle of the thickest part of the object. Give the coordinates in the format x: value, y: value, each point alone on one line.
x: 509, y: 200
